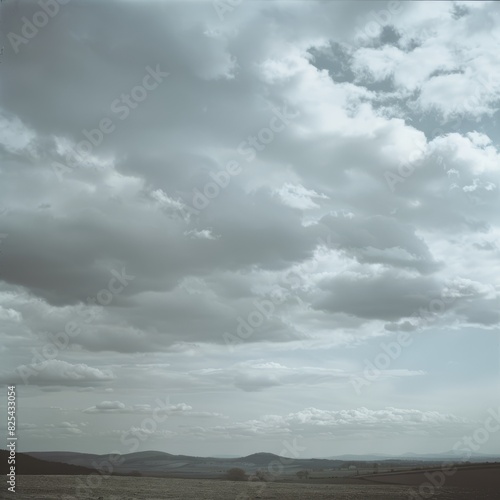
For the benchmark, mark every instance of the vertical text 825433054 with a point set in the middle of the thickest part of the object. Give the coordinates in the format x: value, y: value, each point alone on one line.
x: 11, y: 438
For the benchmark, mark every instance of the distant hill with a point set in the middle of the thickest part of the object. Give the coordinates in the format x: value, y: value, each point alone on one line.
x: 261, y: 459
x: 161, y: 464
x: 351, y: 457
x: 29, y: 465
x: 157, y: 463
x: 453, y: 455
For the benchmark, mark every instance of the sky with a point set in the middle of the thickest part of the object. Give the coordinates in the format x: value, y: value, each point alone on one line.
x: 233, y: 227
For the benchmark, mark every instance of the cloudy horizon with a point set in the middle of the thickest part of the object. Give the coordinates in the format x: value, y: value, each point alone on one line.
x: 231, y: 226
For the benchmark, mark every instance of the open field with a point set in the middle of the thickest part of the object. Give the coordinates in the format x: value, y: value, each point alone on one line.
x: 481, y: 476
x: 141, y: 488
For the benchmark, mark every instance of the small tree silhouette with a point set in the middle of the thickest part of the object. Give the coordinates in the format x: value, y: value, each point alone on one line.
x: 303, y: 474
x: 236, y: 474
x: 261, y: 475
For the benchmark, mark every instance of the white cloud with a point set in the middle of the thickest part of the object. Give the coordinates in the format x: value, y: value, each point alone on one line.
x: 346, y: 423
x: 297, y: 196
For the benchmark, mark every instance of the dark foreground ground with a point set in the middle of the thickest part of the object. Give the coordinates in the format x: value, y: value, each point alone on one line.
x: 143, y: 488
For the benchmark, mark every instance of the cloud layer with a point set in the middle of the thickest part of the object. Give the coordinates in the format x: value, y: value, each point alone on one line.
x: 250, y: 204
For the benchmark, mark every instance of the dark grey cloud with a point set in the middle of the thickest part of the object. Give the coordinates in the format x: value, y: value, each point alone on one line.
x: 57, y: 373
x: 388, y: 296
x: 382, y: 240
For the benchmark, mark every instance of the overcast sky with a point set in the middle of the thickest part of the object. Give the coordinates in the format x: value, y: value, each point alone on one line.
x: 273, y: 221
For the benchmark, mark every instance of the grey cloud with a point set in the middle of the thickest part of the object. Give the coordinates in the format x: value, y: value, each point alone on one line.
x: 389, y: 296
x: 381, y: 240
x: 57, y: 373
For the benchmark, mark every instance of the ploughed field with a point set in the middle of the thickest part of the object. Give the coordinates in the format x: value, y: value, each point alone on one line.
x: 145, y: 488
